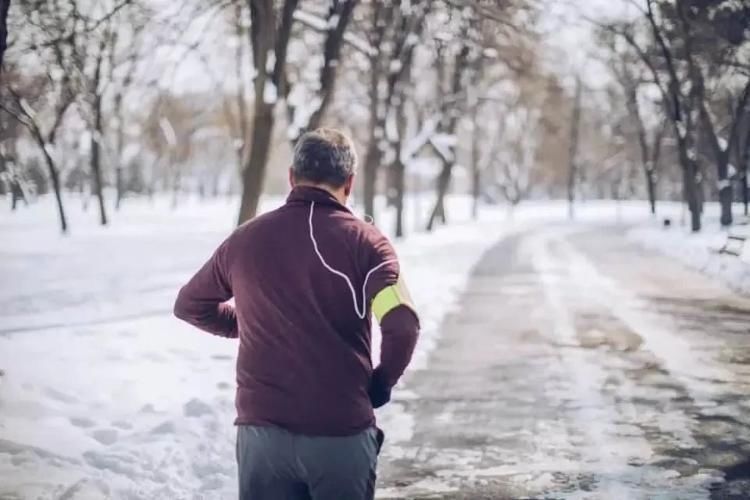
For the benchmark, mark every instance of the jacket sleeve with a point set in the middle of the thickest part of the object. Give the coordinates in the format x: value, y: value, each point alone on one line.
x: 392, y: 306
x: 202, y: 302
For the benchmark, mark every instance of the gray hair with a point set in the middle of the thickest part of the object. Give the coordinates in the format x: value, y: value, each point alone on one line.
x: 324, y: 156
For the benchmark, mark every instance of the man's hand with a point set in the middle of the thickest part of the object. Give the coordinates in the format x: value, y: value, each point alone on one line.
x: 380, y: 391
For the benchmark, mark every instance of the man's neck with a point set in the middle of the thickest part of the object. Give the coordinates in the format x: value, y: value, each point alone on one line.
x: 336, y: 193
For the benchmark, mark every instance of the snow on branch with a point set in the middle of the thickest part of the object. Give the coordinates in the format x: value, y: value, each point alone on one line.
x: 444, y: 145
x: 323, y: 25
x: 418, y: 141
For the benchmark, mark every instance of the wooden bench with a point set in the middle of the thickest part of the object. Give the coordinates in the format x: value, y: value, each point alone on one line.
x: 735, y: 245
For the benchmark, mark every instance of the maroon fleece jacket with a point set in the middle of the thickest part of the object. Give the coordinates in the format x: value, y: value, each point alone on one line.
x: 304, y: 353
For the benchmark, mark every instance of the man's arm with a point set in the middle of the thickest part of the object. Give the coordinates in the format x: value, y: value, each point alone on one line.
x: 399, y: 325
x: 202, y: 301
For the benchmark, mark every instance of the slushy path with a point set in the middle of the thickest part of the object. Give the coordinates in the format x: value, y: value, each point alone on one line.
x: 581, y: 366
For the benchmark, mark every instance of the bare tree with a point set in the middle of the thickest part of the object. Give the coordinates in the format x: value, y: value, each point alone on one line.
x: 450, y: 111
x: 95, y: 92
x: 270, y: 33
x: 480, y: 34
x: 631, y: 81
x: 679, y: 105
x: 393, y: 32
x: 40, y: 103
x: 337, y: 19
x: 45, y: 136
x: 720, y: 147
x: 125, y: 50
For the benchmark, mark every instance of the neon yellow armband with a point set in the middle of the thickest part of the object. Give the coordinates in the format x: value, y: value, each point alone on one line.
x: 391, y: 297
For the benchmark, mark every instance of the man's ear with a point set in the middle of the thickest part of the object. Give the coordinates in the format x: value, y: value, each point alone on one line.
x: 292, y: 180
x: 349, y: 186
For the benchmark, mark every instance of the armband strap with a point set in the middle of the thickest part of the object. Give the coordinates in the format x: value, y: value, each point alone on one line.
x: 391, y: 297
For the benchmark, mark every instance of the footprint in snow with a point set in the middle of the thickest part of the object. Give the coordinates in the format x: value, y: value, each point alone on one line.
x: 196, y: 408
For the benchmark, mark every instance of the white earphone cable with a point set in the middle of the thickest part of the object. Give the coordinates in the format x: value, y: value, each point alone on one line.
x: 361, y: 313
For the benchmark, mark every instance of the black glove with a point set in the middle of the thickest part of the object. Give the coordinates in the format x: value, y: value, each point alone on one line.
x: 380, y: 391
x: 380, y: 438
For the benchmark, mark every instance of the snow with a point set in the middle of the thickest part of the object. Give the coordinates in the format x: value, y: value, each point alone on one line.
x: 444, y: 145
x: 168, y: 131
x: 320, y: 24
x: 701, y: 251
x: 419, y: 140
x: 105, y: 394
x: 270, y: 94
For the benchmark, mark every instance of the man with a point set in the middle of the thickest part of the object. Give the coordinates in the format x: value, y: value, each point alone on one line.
x: 305, y: 279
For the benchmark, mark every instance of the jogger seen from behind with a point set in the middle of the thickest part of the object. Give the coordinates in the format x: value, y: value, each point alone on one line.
x: 306, y: 279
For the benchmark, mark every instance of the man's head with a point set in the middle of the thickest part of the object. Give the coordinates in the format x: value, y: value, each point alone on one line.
x: 325, y: 158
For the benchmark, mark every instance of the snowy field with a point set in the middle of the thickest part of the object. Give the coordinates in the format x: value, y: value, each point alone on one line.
x: 104, y: 394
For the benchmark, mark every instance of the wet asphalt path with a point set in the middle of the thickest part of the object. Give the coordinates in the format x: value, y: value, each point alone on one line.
x: 581, y: 366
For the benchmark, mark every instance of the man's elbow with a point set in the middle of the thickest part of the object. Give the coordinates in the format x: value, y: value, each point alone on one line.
x: 182, y: 309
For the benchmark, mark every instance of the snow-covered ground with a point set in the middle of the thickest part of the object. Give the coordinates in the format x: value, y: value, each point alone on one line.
x: 104, y: 394
x: 701, y: 251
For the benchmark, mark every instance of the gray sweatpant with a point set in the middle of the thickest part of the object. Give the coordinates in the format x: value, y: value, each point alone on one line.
x: 277, y: 465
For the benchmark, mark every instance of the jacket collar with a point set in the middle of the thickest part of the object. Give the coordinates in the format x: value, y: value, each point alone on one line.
x: 318, y: 195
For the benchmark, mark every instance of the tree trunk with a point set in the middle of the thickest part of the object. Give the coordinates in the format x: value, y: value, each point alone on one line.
x: 96, y: 168
x: 341, y: 12
x: 398, y: 168
x: 119, y: 181
x: 370, y: 174
x: 651, y: 187
x: 443, y: 183
x: 119, y: 184
x: 54, y: 176
x: 573, y: 149
x: 269, y: 42
x: 372, y: 157
x: 691, y: 190
x: 476, y: 180
x: 725, y: 190
x: 476, y: 172
x: 399, y: 171
x: 746, y: 191
x: 254, y: 173
x: 4, y: 6
x: 649, y: 155
x: 448, y: 124
x: 745, y: 167
x: 176, y: 184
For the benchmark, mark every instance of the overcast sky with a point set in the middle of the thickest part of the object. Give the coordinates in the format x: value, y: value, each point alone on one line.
x: 570, y: 47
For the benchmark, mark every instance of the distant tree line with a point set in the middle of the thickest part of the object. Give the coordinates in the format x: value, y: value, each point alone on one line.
x: 439, y: 95
x: 687, y: 62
